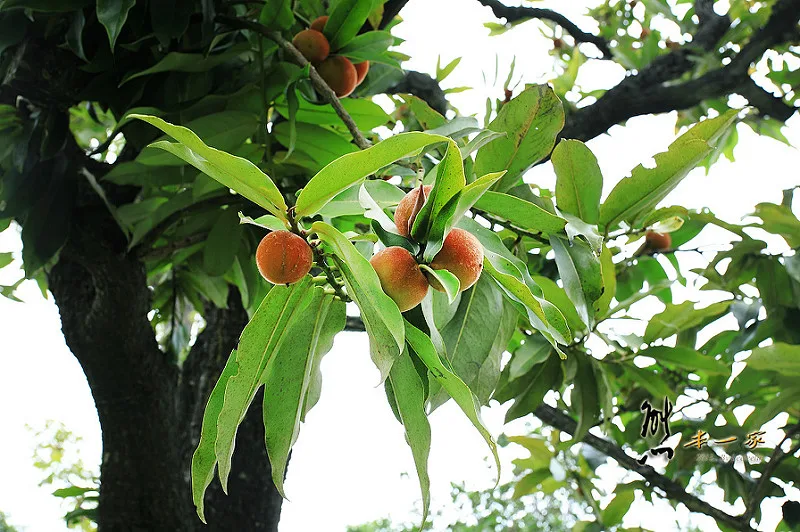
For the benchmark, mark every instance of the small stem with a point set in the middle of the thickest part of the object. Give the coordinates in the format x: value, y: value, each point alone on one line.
x: 325, y: 91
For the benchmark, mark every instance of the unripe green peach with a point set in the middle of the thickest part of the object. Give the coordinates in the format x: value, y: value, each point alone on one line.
x: 400, y: 276
x: 408, y: 208
x: 319, y: 23
x: 313, y: 45
x: 658, y: 241
x: 340, y: 75
x: 461, y: 255
x: 361, y: 70
x: 283, y: 257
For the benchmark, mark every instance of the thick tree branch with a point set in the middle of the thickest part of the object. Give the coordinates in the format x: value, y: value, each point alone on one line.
x: 513, y: 14
x: 774, y: 460
x: 424, y: 87
x: 316, y: 80
x: 648, y: 91
x: 672, y: 489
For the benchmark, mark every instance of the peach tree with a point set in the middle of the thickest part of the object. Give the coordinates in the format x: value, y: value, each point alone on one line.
x: 204, y: 186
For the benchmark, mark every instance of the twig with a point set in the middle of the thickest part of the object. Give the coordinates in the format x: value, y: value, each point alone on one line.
x: 512, y: 14
x: 672, y: 489
x: 511, y: 227
x: 319, y: 84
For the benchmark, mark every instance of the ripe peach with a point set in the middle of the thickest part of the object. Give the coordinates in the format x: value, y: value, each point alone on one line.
x: 401, y: 278
x: 319, y: 23
x: 461, y: 255
x: 361, y: 69
x: 313, y: 45
x: 340, y: 75
x: 283, y: 257
x: 408, y: 208
x: 657, y: 241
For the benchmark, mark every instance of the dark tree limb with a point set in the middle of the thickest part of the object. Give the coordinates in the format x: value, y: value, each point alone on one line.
x: 648, y: 91
x: 672, y: 489
x: 774, y: 460
x: 390, y: 10
x: 104, y: 300
x: 424, y: 87
x: 513, y: 14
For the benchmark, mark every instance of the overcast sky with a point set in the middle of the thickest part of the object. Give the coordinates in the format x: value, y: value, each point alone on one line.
x: 351, y: 463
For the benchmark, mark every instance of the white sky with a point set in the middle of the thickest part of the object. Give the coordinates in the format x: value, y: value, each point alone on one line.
x: 351, y: 463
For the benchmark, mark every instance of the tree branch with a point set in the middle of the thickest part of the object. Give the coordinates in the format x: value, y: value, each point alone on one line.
x: 513, y: 14
x: 319, y: 84
x: 774, y: 460
x: 672, y: 489
x: 647, y: 92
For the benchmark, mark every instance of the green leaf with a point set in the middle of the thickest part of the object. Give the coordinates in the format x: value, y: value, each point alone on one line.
x: 455, y: 387
x: 370, y: 46
x: 558, y: 296
x: 348, y: 203
x: 427, y: 117
x: 6, y: 258
x: 521, y: 213
x: 234, y: 172
x: 73, y: 491
x: 288, y: 377
x: 608, y: 272
x: 449, y: 282
x: 579, y: 181
x: 542, y: 314
x: 471, y: 193
x: 615, y: 511
x: 204, y: 459
x: 449, y: 182
x: 780, y: 357
x: 686, y: 358
x: 382, y: 318
x: 349, y: 169
x: 261, y: 339
x: 346, y: 19
x: 267, y: 222
x: 532, y: 121
x: 112, y: 14
x: 374, y: 211
x: 442, y: 73
x: 579, y: 269
x: 652, y: 382
x: 222, y: 243
x: 544, y: 377
x: 409, y: 393
x: 676, y: 318
x: 469, y: 338
x: 365, y: 113
x: 321, y: 144
x: 645, y: 187
x: 277, y: 14
x: 225, y: 131
x: 585, y: 398
x: 185, y: 62
x: 780, y: 220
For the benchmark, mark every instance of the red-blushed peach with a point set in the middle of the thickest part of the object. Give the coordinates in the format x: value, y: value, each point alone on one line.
x: 400, y: 276
x: 361, y: 70
x: 658, y: 241
x: 461, y: 255
x: 313, y: 45
x: 319, y: 23
x: 408, y: 208
x: 283, y: 257
x: 340, y: 75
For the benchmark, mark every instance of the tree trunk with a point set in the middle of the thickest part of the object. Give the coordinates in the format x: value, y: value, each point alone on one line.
x: 150, y: 410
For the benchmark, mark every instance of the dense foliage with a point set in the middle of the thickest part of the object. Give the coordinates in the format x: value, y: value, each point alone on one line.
x: 169, y: 138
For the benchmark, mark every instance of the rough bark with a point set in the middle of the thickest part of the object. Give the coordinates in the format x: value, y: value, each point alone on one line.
x: 150, y: 410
